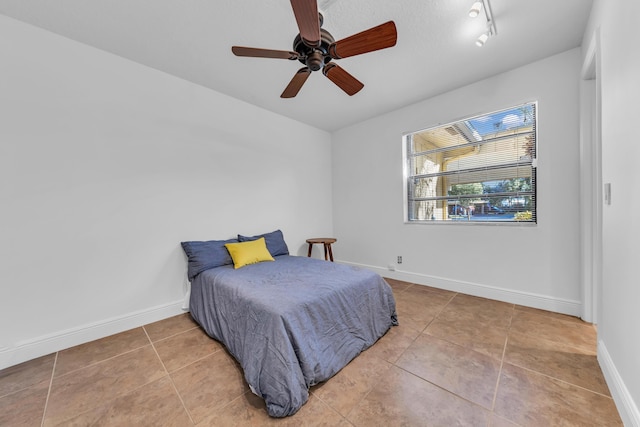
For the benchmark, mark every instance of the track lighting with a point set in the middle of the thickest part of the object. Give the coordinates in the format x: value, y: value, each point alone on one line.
x: 475, y: 9
x: 482, y: 39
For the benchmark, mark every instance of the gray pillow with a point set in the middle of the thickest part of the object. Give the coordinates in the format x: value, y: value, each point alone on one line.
x: 205, y: 255
x: 275, y: 242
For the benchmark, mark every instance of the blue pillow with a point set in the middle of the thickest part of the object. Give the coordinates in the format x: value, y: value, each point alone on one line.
x: 205, y: 255
x: 275, y: 242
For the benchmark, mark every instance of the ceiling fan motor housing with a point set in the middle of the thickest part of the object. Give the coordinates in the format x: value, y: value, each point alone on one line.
x: 315, y: 48
x: 314, y: 57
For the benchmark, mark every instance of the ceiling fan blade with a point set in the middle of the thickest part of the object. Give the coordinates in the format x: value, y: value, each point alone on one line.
x: 296, y: 83
x: 255, y: 52
x: 376, y: 38
x: 306, y: 13
x: 342, y: 79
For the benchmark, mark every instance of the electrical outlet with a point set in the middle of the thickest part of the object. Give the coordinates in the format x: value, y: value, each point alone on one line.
x: 399, y: 259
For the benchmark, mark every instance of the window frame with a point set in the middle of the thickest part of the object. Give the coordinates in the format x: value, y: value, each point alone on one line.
x: 406, y: 139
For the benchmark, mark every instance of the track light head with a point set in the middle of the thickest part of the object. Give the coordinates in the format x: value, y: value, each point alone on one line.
x: 482, y: 39
x: 475, y: 9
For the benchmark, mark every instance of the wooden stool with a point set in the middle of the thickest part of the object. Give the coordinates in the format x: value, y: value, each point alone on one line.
x: 326, y: 241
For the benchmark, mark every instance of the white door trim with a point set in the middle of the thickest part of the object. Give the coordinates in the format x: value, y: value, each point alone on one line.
x: 591, y: 182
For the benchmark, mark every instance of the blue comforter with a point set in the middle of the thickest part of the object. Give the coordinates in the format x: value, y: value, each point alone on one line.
x: 292, y: 323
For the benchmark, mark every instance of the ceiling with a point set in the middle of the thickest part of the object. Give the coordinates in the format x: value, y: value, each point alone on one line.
x: 435, y: 52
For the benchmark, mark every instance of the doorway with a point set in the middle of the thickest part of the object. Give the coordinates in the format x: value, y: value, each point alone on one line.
x: 591, y: 183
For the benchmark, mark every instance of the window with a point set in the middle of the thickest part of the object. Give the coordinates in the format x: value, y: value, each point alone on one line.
x: 481, y: 169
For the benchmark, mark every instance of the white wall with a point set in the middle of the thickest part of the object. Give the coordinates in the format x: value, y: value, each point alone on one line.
x: 532, y: 265
x: 618, y: 329
x: 106, y: 165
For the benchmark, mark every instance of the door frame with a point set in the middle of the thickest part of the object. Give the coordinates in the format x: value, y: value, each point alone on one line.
x: 591, y: 246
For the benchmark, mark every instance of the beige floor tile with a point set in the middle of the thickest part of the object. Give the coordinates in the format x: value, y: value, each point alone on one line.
x: 483, y: 338
x: 397, y: 285
x: 26, y: 374
x: 478, y: 310
x: 246, y: 410
x: 96, y: 351
x: 531, y: 399
x: 576, y: 334
x: 391, y: 346
x: 418, y: 307
x: 155, y: 404
x: 459, y: 370
x: 87, y: 388
x: 497, y: 421
x: 25, y: 407
x: 314, y: 413
x: 185, y: 348
x: 558, y: 316
x: 209, y: 384
x: 571, y: 364
x: 250, y: 411
x: 402, y: 399
x: 444, y: 356
x: 169, y: 327
x: 345, y: 389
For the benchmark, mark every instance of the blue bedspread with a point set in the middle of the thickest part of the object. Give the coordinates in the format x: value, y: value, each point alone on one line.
x: 292, y: 323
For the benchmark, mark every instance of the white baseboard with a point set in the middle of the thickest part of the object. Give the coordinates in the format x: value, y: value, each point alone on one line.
x: 57, y: 341
x: 624, y: 401
x: 543, y: 302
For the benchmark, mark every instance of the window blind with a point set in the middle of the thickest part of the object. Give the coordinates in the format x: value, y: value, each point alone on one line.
x: 480, y: 169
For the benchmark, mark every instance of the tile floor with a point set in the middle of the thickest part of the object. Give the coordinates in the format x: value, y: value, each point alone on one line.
x: 454, y: 360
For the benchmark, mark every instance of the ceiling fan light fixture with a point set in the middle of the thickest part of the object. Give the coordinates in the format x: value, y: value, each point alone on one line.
x: 475, y: 9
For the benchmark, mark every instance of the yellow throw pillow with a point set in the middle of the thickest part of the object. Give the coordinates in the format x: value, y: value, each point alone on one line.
x: 251, y: 252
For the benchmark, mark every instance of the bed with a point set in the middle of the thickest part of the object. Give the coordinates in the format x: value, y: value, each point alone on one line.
x: 293, y: 322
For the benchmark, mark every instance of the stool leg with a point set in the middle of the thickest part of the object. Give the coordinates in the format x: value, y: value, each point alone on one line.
x: 330, y: 252
x: 325, y: 252
x: 309, y: 251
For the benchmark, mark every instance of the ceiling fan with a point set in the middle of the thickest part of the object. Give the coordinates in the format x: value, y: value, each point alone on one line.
x: 316, y: 48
